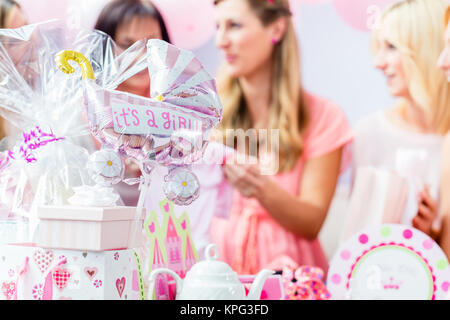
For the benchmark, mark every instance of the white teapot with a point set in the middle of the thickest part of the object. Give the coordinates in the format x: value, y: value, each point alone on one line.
x: 212, y: 280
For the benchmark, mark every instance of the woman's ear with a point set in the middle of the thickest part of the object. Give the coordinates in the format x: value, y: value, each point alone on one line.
x: 278, y: 29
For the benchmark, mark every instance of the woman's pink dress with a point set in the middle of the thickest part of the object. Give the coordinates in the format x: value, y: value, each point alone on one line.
x: 251, y: 239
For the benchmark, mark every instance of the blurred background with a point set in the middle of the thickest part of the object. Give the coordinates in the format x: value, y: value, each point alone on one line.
x: 334, y: 38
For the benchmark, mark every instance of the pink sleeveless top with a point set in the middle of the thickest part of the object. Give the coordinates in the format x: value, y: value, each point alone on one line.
x: 251, y: 239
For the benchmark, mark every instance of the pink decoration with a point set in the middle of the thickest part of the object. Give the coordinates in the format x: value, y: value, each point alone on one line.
x: 305, y: 283
x: 43, y: 259
x: 90, y: 272
x: 190, y: 260
x: 61, y: 277
x: 76, y: 13
x: 69, y: 227
x: 363, y: 239
x: 445, y: 286
x: 345, y: 255
x: 173, y: 249
x: 161, y: 287
x: 171, y: 128
x: 183, y: 225
x: 336, y: 279
x: 48, y: 287
x: 9, y: 290
x: 375, y: 247
x: 428, y: 244
x: 360, y: 14
x: 120, y: 285
x: 38, y: 11
x: 167, y: 207
x: 152, y: 227
x: 310, y: 1
x: 23, y: 269
x: 38, y: 291
x: 190, y: 23
x: 32, y: 140
x: 135, y: 281
x: 407, y: 234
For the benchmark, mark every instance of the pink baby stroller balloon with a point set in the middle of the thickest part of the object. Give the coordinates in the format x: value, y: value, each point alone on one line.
x: 191, y: 30
x: 172, y: 128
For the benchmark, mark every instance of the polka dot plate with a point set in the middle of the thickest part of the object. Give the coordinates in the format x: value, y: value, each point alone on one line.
x: 389, y: 262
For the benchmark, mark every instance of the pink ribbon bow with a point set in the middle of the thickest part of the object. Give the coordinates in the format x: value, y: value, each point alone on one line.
x: 305, y: 283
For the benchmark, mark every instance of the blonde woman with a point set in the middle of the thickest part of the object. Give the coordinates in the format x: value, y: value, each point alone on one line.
x: 444, y: 64
x: 11, y: 17
x: 406, y: 139
x: 275, y: 219
x: 444, y: 59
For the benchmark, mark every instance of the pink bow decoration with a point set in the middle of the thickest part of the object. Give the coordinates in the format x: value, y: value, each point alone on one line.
x: 305, y: 283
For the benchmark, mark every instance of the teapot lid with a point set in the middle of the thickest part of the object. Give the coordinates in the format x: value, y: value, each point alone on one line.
x: 211, y: 266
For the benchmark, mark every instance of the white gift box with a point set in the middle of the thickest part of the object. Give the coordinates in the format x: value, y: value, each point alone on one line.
x: 28, y: 272
x: 89, y: 228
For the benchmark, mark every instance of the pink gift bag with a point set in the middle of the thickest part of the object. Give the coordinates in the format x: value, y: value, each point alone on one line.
x: 378, y: 196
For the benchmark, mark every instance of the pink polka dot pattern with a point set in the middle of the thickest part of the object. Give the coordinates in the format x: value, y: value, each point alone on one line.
x: 446, y: 286
x: 336, y: 279
x: 427, y: 244
x: 363, y: 239
x: 345, y: 255
x: 407, y: 234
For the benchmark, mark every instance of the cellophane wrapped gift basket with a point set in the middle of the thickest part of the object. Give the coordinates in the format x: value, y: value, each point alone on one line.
x: 57, y: 240
x: 64, y: 233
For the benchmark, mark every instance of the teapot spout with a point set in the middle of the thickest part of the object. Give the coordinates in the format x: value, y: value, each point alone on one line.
x: 258, y: 284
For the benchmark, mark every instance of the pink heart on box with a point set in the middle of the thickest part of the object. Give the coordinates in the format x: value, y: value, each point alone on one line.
x: 9, y: 290
x: 43, y: 259
x: 183, y: 224
x: 166, y: 207
x: 120, y: 285
x: 90, y: 272
x: 61, y: 277
x: 152, y: 227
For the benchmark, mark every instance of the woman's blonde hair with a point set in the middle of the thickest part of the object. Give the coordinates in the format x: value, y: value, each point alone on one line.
x: 6, y: 6
x: 287, y: 110
x: 416, y: 30
x: 447, y: 17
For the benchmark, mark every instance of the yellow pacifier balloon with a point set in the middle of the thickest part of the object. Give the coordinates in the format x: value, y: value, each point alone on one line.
x: 62, y: 60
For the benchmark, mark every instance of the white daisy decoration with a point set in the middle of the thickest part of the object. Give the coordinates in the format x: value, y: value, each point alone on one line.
x: 181, y: 186
x: 106, y: 164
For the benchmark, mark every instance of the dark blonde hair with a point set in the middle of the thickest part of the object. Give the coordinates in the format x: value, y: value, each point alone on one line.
x: 447, y: 17
x: 416, y: 30
x: 287, y: 106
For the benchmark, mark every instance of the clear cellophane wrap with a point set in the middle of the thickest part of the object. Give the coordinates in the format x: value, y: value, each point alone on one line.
x: 45, y: 156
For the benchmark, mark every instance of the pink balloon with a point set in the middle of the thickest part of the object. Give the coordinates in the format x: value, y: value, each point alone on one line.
x: 360, y: 14
x: 311, y: 1
x: 190, y: 23
x: 77, y: 14
x: 42, y: 10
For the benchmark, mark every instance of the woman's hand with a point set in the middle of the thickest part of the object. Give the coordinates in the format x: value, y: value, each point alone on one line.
x: 303, y: 213
x: 246, y: 178
x: 427, y: 212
